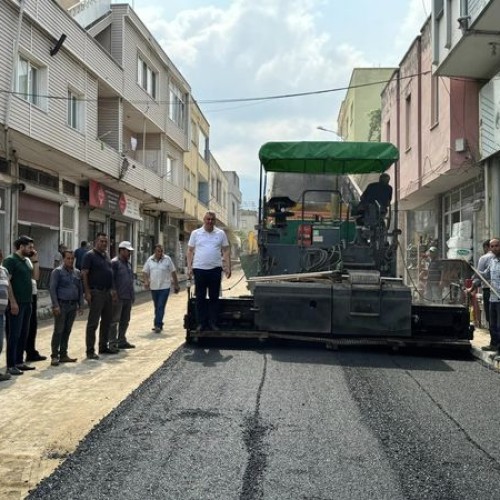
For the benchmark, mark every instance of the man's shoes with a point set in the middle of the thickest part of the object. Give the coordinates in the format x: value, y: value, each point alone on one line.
x: 126, y: 345
x: 14, y: 370
x: 35, y: 357
x: 5, y: 376
x: 108, y: 350
x: 213, y: 327
x: 54, y: 362
x: 67, y: 359
x: 25, y: 368
x: 92, y: 355
x: 157, y: 329
x: 489, y: 348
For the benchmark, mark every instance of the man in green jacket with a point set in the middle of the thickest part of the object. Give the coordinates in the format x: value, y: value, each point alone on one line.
x: 19, y: 310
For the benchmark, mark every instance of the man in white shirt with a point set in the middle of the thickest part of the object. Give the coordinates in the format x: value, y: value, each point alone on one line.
x: 208, y: 255
x: 159, y: 273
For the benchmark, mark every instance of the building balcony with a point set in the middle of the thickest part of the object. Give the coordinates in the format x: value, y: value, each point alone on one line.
x: 469, y: 46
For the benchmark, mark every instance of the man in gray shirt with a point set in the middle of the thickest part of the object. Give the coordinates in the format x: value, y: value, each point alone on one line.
x: 66, y: 294
x: 123, y: 279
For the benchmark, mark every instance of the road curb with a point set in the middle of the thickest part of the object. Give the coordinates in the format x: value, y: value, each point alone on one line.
x: 486, y: 358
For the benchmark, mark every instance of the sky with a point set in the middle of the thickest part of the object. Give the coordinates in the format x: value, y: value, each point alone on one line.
x: 240, y: 49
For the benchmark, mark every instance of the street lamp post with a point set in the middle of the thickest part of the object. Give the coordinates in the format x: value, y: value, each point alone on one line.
x: 324, y: 129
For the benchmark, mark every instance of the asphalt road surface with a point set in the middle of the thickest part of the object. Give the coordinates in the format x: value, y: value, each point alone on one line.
x: 295, y: 422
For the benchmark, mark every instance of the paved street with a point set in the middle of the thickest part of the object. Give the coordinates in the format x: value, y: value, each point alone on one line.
x: 295, y: 422
x: 46, y: 412
x: 245, y: 422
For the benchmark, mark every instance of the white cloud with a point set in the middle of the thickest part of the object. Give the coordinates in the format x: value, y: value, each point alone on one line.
x: 263, y: 48
x: 409, y: 29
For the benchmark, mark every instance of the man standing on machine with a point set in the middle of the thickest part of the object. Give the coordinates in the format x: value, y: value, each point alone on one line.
x: 208, y: 255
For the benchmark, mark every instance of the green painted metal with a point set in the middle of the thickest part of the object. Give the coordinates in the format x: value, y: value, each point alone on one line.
x: 315, y: 157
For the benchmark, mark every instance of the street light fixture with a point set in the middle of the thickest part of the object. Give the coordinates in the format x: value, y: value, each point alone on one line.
x: 324, y: 129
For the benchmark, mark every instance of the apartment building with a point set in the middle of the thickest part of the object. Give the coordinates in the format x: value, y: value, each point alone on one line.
x: 97, y: 132
x: 433, y: 120
x: 234, y: 199
x: 359, y: 113
x: 196, y: 173
x: 466, y: 44
x: 218, y: 193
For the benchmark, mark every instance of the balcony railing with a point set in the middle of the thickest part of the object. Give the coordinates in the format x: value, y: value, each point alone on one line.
x: 150, y: 158
x: 86, y: 12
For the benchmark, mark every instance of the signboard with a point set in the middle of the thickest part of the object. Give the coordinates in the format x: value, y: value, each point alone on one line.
x: 106, y: 198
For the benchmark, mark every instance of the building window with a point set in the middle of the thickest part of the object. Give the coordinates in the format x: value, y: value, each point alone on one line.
x: 408, y: 121
x: 194, y: 133
x: 388, y: 131
x: 187, y: 179
x: 218, y: 190
x: 68, y: 188
x: 202, y: 144
x: 75, y: 110
x: 68, y: 226
x: 30, y: 81
x: 169, y: 173
x: 39, y: 177
x: 177, y: 106
x: 146, y: 77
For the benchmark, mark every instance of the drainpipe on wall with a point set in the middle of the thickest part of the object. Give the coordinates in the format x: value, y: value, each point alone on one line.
x: 419, y: 110
x: 397, y: 170
x: 12, y: 155
x: 487, y: 222
x: 398, y: 144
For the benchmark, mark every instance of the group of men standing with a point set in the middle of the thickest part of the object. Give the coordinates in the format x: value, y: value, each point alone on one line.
x: 107, y: 285
x: 488, y: 278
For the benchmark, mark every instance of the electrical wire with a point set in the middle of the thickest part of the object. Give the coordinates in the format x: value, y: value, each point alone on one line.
x: 25, y: 95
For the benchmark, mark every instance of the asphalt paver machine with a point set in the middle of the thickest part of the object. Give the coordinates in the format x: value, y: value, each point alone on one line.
x: 325, y: 270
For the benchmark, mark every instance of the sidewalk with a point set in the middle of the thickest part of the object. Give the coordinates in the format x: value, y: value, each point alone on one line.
x: 46, y: 412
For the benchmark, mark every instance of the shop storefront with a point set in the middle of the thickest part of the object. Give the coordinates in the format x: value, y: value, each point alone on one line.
x: 454, y: 223
x: 464, y: 213
x: 114, y: 213
x: 39, y: 218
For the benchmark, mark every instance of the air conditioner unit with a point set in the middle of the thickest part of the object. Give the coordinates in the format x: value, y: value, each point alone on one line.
x: 460, y: 145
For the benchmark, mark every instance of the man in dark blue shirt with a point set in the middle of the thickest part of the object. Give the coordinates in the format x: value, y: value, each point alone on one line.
x: 98, y: 288
x: 79, y: 253
x: 375, y: 201
x: 380, y: 192
x: 66, y: 294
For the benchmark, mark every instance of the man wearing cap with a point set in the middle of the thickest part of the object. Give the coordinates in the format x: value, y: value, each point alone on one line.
x: 123, y: 279
x: 433, y: 289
